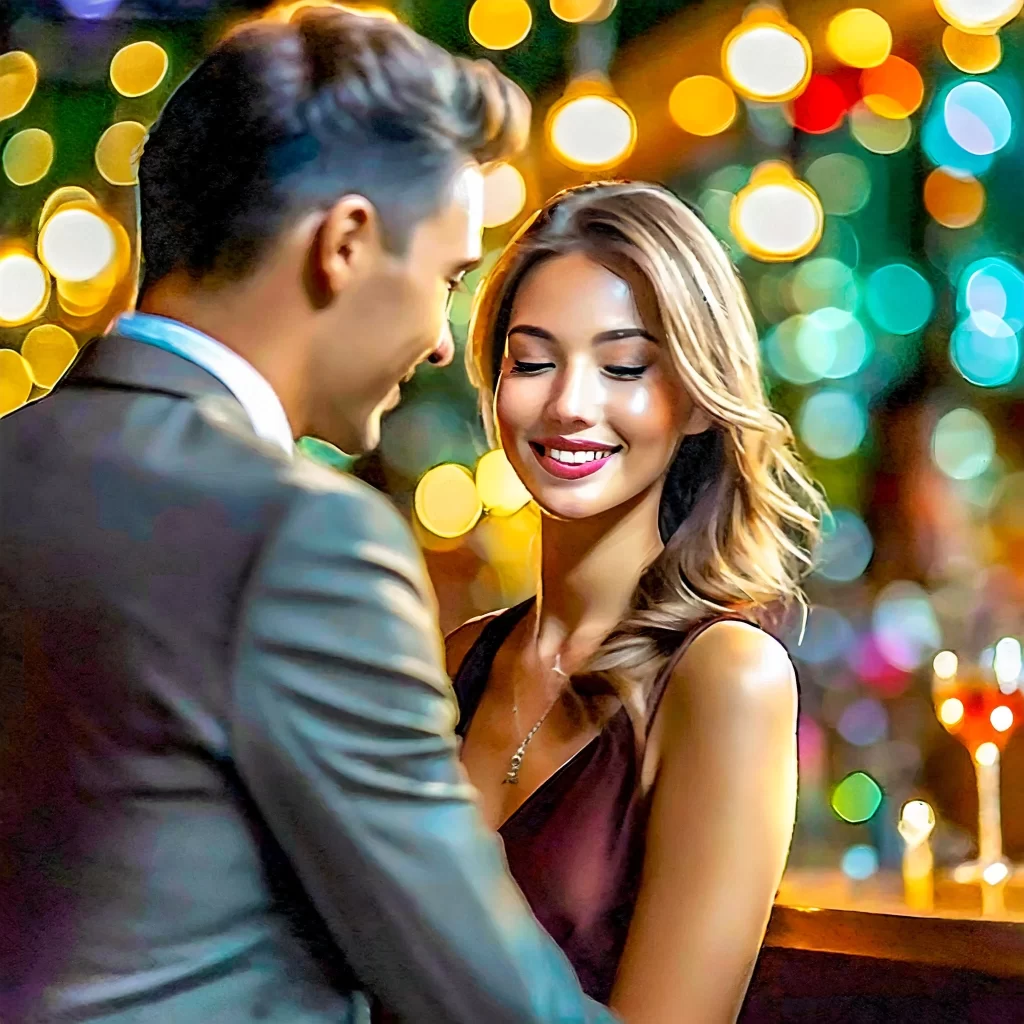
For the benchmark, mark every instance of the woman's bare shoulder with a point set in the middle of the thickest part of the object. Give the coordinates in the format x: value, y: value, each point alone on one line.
x: 458, y: 642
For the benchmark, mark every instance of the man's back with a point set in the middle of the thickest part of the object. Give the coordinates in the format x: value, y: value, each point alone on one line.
x: 136, y: 866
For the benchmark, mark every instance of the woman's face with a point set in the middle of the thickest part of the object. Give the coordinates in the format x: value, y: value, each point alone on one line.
x: 590, y: 408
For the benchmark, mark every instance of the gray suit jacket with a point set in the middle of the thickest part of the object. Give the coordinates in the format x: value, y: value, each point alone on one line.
x: 228, y: 780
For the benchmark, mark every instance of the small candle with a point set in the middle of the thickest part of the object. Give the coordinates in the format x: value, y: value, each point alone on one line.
x: 917, y: 819
x: 993, y: 879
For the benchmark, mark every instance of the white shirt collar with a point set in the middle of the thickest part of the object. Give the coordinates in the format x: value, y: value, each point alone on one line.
x: 241, y: 378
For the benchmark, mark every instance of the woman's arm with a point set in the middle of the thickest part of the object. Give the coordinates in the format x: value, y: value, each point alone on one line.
x: 723, y: 808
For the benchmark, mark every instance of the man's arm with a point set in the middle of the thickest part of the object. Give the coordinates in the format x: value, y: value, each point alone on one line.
x: 344, y: 735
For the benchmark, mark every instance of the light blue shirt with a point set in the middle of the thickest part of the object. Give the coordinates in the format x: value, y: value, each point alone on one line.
x: 248, y: 385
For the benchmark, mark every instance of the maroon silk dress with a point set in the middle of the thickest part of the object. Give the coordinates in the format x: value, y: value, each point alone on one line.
x: 576, y: 847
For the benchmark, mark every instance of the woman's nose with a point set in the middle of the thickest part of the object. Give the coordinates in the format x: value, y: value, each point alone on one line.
x: 577, y: 396
x: 445, y: 350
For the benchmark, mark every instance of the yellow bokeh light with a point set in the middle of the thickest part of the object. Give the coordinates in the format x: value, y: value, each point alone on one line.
x: 77, y: 244
x: 995, y: 873
x: 776, y: 218
x: 945, y: 664
x: 917, y: 820
x: 284, y: 11
x: 987, y: 754
x: 504, y: 194
x: 767, y: 60
x: 446, y: 500
x: 24, y: 289
x: 979, y: 17
x: 972, y: 54
x: 575, y: 10
x: 1001, y: 718
x: 500, y: 490
x: 702, y: 105
x: 61, y: 197
x: 951, y: 711
x: 138, y: 68
x: 15, y: 381
x: 859, y: 37
x: 28, y: 156
x: 18, y: 78
x: 118, y: 152
x: 591, y: 132
x: 49, y: 351
x: 877, y: 134
x: 500, y: 24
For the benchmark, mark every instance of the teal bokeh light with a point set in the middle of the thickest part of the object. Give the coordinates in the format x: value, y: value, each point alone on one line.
x: 977, y: 118
x: 833, y: 423
x: 993, y: 286
x: 985, y: 350
x: 899, y: 299
x: 942, y: 149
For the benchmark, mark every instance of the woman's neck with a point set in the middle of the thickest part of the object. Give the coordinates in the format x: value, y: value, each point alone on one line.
x: 589, y: 571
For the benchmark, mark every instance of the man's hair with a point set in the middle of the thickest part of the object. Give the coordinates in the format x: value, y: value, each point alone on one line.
x: 284, y: 118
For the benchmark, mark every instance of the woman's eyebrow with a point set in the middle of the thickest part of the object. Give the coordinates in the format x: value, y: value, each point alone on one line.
x: 533, y: 332
x: 625, y: 332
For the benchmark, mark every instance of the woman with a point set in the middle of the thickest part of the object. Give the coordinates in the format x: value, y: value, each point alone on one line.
x: 631, y: 730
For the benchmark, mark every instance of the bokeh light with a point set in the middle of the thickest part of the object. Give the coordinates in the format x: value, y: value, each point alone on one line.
x: 446, y: 501
x: 28, y: 156
x: 821, y: 107
x: 776, y: 218
x: 504, y: 194
x: 995, y: 286
x: 859, y: 37
x: 49, y: 351
x: 138, y: 68
x: 857, y: 797
x: 832, y: 423
x: 766, y: 60
x: 1007, y: 662
x: 846, y: 547
x: 842, y: 181
x: 19, y: 76
x: 894, y: 89
x: 905, y: 627
x: 1001, y: 718
x: 899, y: 298
x: 575, y: 11
x: 863, y: 722
x: 591, y: 131
x: 500, y: 490
x: 90, y: 10
x: 827, y: 636
x: 15, y: 379
x: 823, y: 281
x: 977, y: 118
x: 951, y: 711
x: 24, y: 289
x: 945, y: 665
x: 985, y: 350
x: 702, y: 105
x: 988, y: 754
x: 963, y: 444
x: 979, y: 16
x: 859, y: 862
x: 877, y: 134
x: 118, y: 152
x: 783, y: 353
x: 500, y: 24
x: 917, y: 820
x: 77, y: 244
x: 972, y: 54
x: 61, y: 197
x: 954, y: 200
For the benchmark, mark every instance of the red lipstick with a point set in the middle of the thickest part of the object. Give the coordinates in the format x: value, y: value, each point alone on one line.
x: 551, y: 453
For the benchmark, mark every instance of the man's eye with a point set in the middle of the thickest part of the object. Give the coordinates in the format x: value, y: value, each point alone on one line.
x: 521, y: 367
x: 626, y: 372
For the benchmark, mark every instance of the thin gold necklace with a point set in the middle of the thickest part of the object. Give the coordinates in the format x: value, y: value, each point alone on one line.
x: 516, y: 761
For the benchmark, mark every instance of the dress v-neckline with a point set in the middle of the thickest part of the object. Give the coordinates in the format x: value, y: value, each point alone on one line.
x: 497, y: 631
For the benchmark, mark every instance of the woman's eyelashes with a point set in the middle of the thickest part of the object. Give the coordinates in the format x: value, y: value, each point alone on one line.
x: 522, y: 367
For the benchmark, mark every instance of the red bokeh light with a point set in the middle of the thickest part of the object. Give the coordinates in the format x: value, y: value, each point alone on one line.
x: 821, y: 107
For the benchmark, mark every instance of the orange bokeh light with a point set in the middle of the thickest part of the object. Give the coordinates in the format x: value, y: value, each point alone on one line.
x: 894, y: 89
x: 954, y: 202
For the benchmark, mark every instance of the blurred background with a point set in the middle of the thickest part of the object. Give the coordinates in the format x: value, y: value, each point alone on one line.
x: 863, y: 165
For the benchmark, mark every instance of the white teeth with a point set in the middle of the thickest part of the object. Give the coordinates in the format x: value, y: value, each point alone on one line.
x: 577, y: 457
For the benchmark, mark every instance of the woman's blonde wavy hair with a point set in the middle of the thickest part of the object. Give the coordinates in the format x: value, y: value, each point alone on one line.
x: 739, y: 515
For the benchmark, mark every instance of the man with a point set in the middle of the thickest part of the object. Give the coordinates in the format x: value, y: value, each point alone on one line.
x: 229, y: 785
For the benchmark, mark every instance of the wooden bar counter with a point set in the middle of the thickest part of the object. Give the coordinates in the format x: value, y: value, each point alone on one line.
x: 837, y: 950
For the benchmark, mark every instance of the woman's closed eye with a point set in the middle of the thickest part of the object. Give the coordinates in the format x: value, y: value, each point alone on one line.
x: 523, y: 367
x: 626, y: 372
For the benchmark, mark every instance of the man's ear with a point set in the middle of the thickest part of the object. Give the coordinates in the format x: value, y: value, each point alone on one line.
x: 347, y: 242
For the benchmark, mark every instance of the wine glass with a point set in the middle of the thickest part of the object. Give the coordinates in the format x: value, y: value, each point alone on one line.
x: 981, y: 704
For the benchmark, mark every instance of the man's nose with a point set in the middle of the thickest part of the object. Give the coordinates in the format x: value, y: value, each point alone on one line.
x: 444, y: 353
